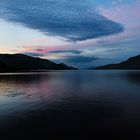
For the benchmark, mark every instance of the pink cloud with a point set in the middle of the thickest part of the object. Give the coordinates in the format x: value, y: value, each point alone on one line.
x: 129, y: 16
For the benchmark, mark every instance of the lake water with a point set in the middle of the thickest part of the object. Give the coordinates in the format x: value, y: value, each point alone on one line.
x: 95, y: 105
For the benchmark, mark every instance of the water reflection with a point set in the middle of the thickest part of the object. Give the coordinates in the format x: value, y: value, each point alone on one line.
x: 134, y: 77
x: 97, y: 104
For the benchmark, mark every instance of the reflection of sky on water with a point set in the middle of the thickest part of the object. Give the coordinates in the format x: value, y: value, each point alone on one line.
x: 90, y: 84
x: 89, y: 98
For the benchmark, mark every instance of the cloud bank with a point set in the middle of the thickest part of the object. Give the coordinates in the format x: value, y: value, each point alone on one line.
x: 66, y: 51
x: 73, y: 20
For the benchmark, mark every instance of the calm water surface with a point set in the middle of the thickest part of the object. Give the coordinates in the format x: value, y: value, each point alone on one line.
x: 71, y: 105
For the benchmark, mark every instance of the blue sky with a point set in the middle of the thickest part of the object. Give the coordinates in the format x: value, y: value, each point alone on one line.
x: 83, y: 33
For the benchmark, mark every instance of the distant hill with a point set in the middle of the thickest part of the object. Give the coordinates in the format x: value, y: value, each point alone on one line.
x: 21, y: 62
x: 3, y: 67
x: 132, y: 63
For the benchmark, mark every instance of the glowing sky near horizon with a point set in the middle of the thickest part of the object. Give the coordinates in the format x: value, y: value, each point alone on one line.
x: 83, y: 33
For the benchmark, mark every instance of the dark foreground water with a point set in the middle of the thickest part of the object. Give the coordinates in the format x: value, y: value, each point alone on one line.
x: 97, y: 105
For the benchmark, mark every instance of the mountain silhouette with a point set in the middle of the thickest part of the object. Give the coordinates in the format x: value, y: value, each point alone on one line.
x: 132, y: 63
x: 22, y: 62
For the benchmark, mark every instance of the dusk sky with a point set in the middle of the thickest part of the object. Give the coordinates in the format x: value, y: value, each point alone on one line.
x: 81, y: 33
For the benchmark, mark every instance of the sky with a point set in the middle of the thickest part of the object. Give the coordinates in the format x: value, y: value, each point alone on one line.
x: 82, y: 33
